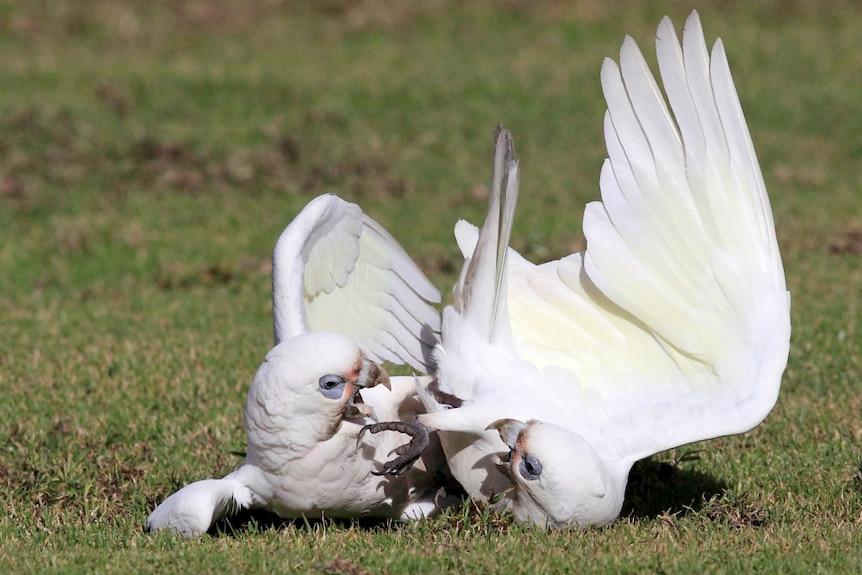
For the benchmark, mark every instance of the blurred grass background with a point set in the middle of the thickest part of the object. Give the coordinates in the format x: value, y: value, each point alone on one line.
x: 151, y: 153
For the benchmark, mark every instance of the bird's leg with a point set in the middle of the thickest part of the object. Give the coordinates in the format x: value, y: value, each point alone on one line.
x: 407, y: 453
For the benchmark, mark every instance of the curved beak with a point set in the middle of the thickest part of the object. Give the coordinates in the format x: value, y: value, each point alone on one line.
x: 371, y: 374
x: 509, y: 430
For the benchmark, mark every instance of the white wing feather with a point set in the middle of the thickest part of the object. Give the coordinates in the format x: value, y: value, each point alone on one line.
x: 337, y: 270
x: 674, y: 325
x: 192, y: 510
x: 678, y: 314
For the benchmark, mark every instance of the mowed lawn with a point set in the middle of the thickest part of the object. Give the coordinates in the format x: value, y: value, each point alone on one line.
x: 151, y: 153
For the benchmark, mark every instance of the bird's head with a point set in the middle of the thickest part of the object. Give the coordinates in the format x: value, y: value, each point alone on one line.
x: 558, y: 479
x: 306, y: 387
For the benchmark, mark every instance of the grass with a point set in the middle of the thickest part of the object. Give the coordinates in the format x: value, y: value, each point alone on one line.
x: 150, y: 153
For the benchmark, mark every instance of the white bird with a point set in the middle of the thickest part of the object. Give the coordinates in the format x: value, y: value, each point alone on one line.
x: 345, y: 297
x: 672, y: 327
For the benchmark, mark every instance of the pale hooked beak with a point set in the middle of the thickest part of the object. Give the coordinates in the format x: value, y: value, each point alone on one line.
x: 509, y: 430
x: 371, y: 374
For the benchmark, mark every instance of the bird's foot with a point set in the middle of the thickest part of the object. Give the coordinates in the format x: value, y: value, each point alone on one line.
x: 407, y: 453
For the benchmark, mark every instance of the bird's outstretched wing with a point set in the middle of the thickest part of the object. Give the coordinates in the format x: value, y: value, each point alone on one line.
x: 335, y: 269
x: 674, y: 325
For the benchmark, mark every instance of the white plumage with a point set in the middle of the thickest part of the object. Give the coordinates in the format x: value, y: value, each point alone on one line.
x: 334, y: 269
x: 345, y: 296
x: 672, y: 327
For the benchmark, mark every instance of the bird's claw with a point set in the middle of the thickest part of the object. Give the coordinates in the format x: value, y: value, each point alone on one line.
x: 407, y: 453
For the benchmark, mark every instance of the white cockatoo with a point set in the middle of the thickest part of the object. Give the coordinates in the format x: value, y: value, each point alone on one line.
x: 345, y: 297
x: 672, y: 327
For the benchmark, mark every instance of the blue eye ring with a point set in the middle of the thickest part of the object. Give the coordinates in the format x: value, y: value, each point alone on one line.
x: 331, y: 386
x: 530, y: 468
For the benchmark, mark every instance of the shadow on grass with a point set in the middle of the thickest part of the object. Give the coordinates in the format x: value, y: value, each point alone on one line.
x: 656, y: 488
x: 260, y: 520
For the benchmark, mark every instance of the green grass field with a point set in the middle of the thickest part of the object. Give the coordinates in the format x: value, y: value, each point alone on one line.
x: 151, y: 153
